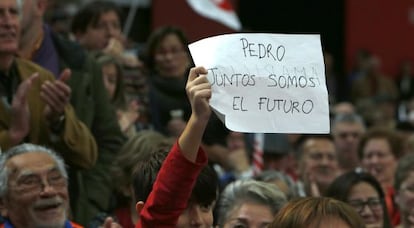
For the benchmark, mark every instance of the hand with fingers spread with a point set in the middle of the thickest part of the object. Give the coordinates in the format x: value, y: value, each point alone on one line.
x: 56, y: 95
x: 20, y: 118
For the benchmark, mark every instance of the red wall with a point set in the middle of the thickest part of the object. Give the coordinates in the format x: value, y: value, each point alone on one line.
x: 384, y: 27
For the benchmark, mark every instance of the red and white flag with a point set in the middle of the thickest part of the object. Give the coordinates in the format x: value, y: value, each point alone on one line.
x: 258, y: 153
x: 219, y: 10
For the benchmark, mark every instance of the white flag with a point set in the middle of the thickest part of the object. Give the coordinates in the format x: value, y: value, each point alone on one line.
x: 219, y: 10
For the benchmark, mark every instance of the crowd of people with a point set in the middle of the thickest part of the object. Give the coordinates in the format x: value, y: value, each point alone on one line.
x: 94, y: 136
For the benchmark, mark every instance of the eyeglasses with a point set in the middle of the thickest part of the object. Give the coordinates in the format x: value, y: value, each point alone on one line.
x: 375, y: 204
x: 33, y: 183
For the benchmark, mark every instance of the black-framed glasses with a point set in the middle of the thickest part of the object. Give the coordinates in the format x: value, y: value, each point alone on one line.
x: 375, y: 204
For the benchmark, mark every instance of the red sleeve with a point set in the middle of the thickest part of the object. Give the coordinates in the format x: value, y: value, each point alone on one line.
x: 171, y: 190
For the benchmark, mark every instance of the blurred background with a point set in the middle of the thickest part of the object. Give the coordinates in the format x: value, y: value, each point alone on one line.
x: 382, y: 28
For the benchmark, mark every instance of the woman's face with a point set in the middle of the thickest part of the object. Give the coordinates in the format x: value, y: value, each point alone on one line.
x: 110, y: 77
x: 366, y: 201
x: 379, y: 160
x: 249, y: 215
x: 405, y: 200
x: 171, y: 57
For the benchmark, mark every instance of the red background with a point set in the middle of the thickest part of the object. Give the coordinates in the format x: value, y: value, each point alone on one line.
x: 383, y: 27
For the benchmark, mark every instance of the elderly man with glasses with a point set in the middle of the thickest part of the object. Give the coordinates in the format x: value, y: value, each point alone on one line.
x: 33, y: 189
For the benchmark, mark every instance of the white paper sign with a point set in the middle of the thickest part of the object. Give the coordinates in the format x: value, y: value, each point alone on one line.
x: 266, y: 83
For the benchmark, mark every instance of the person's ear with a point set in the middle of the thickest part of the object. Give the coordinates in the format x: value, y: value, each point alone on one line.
x: 138, y: 206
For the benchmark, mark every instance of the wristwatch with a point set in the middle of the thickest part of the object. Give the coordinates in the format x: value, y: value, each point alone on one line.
x: 57, y: 126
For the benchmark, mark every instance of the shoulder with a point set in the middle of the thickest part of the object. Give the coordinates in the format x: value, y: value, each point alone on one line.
x: 26, y: 67
x: 69, y: 51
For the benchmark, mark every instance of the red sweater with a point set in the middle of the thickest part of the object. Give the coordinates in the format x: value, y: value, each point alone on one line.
x: 172, y: 189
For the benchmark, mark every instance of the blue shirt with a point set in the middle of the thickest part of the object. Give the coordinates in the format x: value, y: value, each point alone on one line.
x: 7, y: 224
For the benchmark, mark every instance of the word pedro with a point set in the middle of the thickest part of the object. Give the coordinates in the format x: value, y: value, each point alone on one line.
x: 261, y: 51
x: 270, y: 105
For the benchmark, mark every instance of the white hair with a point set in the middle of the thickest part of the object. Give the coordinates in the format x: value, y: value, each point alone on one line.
x: 23, y: 149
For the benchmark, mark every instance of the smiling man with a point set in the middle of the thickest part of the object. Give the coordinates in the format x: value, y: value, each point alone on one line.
x: 318, y: 164
x: 33, y: 106
x: 33, y: 188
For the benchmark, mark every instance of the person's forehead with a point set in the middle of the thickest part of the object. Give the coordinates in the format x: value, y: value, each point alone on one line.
x: 379, y: 142
x: 110, y: 14
x: 348, y: 126
x: 8, y: 4
x: 32, y: 162
x: 320, y: 146
x: 319, y: 143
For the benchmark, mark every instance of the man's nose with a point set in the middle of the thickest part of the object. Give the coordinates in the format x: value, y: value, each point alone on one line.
x: 325, y: 160
x: 47, y: 189
x: 374, y: 159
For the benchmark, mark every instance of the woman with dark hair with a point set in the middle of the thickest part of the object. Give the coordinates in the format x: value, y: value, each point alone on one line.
x: 364, y: 193
x: 167, y: 53
x: 167, y: 59
x: 113, y: 78
x: 316, y: 212
x: 379, y: 152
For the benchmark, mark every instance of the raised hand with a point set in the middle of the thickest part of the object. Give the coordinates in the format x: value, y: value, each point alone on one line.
x: 56, y: 96
x: 20, y: 114
x: 199, y: 92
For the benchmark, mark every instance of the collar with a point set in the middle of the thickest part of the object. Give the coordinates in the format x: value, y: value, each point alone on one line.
x: 7, y: 224
x: 37, y: 44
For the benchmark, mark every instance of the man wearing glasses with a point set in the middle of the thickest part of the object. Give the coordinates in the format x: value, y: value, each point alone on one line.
x: 33, y: 189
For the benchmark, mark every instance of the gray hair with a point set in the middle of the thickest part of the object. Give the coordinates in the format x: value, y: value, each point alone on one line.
x: 348, y: 118
x: 248, y: 191
x: 19, y: 4
x: 24, y: 149
x: 274, y: 175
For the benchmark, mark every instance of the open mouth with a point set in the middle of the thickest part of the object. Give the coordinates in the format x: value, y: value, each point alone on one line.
x: 7, y: 35
x: 48, y: 208
x: 375, y: 171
